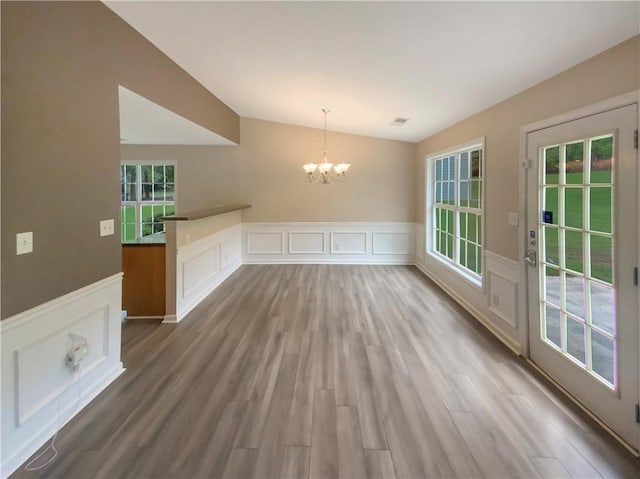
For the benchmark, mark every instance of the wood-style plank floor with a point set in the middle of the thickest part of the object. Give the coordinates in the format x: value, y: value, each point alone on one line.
x: 328, y: 371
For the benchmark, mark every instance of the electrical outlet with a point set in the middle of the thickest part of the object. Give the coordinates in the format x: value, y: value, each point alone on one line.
x: 336, y: 246
x: 79, y: 350
x: 107, y: 227
x: 24, y: 242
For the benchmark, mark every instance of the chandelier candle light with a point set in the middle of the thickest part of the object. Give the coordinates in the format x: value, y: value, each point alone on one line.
x: 324, y: 169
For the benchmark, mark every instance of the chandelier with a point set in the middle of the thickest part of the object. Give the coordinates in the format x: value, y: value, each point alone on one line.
x: 324, y: 172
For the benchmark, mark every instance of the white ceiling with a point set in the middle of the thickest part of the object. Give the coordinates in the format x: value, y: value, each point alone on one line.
x: 143, y: 122
x: 435, y: 63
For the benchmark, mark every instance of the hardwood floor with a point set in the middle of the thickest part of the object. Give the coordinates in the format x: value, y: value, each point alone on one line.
x: 322, y: 371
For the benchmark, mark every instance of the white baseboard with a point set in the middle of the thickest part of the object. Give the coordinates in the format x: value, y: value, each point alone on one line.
x: 362, y: 261
x: 170, y: 319
x: 35, y: 379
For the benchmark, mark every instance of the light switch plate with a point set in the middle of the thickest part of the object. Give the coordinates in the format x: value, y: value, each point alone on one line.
x: 513, y: 219
x: 107, y: 227
x: 24, y: 242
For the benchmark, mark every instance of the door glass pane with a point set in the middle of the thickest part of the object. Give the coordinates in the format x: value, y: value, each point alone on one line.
x: 552, y: 329
x: 600, y: 212
x: 573, y: 251
x: 573, y: 207
x: 602, y: 160
x: 551, y: 157
x: 575, y: 295
x: 551, y: 245
x: 575, y: 340
x: 602, y: 306
x: 552, y: 286
x: 601, y: 258
x: 574, y: 155
x: 551, y: 204
x: 603, y: 354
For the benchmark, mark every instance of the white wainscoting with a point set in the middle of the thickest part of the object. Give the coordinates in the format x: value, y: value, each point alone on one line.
x: 310, y: 242
x: 346, y: 243
x: 39, y: 392
x: 503, y: 283
x: 494, y: 304
x: 202, y: 265
x: 391, y: 243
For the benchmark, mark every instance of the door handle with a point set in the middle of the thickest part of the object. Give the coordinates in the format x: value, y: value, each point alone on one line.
x: 530, y: 257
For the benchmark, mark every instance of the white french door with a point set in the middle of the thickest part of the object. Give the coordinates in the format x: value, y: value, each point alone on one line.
x: 582, y: 213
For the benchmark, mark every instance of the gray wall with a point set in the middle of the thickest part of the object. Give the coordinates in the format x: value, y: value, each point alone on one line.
x: 62, y: 63
x: 613, y: 72
x: 265, y: 170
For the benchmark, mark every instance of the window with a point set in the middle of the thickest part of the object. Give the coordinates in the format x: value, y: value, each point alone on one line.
x: 147, y: 194
x: 456, y: 209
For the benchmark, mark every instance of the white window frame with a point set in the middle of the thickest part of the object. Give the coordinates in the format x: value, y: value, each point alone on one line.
x: 430, y: 245
x: 138, y: 204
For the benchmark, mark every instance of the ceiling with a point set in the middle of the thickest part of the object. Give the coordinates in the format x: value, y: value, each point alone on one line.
x: 143, y: 122
x: 435, y: 63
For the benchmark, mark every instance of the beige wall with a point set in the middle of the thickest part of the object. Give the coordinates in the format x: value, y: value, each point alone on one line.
x: 613, y: 72
x: 265, y: 170
x: 62, y: 63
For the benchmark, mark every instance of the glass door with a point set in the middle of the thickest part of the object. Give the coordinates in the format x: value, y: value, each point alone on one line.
x: 582, y: 227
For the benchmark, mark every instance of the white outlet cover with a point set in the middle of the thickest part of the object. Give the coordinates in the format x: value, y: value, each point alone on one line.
x: 24, y: 242
x: 107, y: 227
x: 513, y: 219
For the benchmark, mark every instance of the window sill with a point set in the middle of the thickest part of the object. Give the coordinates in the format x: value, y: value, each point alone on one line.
x: 450, y: 265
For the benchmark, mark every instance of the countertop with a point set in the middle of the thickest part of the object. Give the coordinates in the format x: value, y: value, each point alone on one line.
x: 196, y: 215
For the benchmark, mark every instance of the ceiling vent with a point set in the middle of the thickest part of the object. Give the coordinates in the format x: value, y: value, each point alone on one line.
x: 399, y: 121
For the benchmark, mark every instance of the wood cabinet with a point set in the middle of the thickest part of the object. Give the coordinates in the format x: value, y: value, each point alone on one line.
x: 143, y: 287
